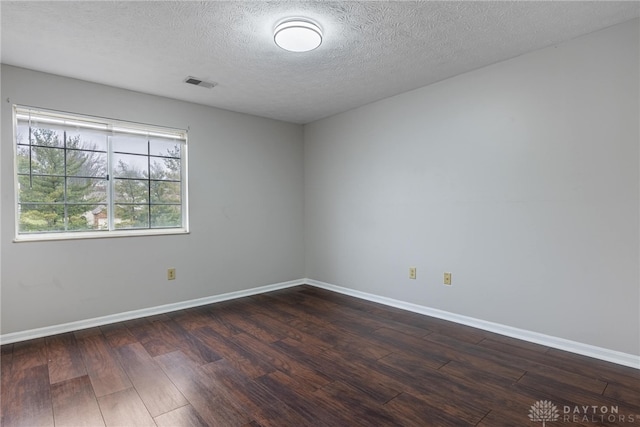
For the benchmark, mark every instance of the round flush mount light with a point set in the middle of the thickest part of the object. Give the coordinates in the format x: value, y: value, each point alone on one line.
x: 298, y: 35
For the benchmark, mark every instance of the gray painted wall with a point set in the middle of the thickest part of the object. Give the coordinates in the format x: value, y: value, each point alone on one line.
x: 246, y: 201
x: 521, y: 178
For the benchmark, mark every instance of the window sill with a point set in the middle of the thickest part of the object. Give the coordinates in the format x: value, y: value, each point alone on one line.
x: 43, y: 237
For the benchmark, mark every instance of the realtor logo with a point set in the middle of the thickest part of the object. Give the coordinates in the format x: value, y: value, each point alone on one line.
x: 543, y: 410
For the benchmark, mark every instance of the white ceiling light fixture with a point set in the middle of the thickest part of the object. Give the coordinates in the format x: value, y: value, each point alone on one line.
x: 298, y: 35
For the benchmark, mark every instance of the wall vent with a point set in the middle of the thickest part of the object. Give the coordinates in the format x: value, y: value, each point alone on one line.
x: 199, y: 82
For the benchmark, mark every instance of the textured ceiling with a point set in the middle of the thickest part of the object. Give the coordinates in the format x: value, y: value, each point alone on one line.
x: 371, y: 50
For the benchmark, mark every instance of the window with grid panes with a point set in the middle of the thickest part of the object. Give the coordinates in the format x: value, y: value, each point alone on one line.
x: 80, y: 176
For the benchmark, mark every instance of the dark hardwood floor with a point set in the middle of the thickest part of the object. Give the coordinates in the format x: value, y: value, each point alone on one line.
x: 304, y: 356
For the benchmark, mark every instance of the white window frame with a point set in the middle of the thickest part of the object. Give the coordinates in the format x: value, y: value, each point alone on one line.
x: 107, y: 125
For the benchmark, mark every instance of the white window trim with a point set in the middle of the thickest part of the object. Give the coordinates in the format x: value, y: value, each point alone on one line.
x: 113, y: 125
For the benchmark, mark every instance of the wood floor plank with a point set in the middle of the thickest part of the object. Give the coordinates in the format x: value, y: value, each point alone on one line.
x: 280, y: 305
x: 437, y: 355
x: 341, y: 299
x: 185, y: 416
x: 6, y: 352
x: 250, y: 326
x: 490, y: 390
x: 303, y: 403
x: 328, y: 335
x: 64, y: 358
x: 156, y: 338
x: 103, y: 368
x: 191, y: 346
x: 198, y: 317
x: 6, y: 361
x: 28, y: 354
x: 134, y: 323
x: 289, y: 330
x: 211, y: 401
x: 453, y: 396
x: 515, y: 342
x: 626, y: 395
x: 605, y: 371
x: 574, y: 393
x: 412, y: 411
x: 268, y: 324
x: 155, y: 389
x: 571, y: 399
x: 264, y: 407
x: 346, y: 399
x: 344, y: 334
x: 403, y: 321
x: 217, y: 318
x: 534, y: 362
x: 432, y: 324
x: 511, y: 417
x: 283, y: 362
x: 85, y: 333
x: 495, y: 388
x: 262, y: 304
x: 26, y: 401
x: 542, y: 367
x: 117, y: 335
x: 494, y: 391
x: 464, y: 333
x: 500, y: 358
x: 75, y: 404
x: 409, y: 363
x: 125, y: 408
x: 167, y: 336
x: 336, y: 366
x: 357, y: 321
x: 249, y: 363
x: 551, y: 373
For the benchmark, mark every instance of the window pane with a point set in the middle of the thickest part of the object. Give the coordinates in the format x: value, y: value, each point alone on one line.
x: 40, y: 217
x: 130, y: 166
x: 22, y: 160
x: 166, y: 216
x: 86, y: 163
x: 87, y: 140
x: 47, y: 161
x: 22, y: 133
x: 165, y: 168
x: 165, y: 192
x: 42, y: 189
x: 47, y: 137
x: 86, y: 190
x: 131, y: 216
x: 126, y: 143
x: 97, y: 217
x: 164, y: 147
x: 131, y: 191
x: 87, y: 217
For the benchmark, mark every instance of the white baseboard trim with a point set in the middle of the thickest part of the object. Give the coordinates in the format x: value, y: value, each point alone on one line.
x: 136, y: 314
x: 613, y: 356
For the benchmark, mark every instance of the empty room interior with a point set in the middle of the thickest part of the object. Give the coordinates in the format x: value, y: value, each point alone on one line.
x: 336, y: 213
